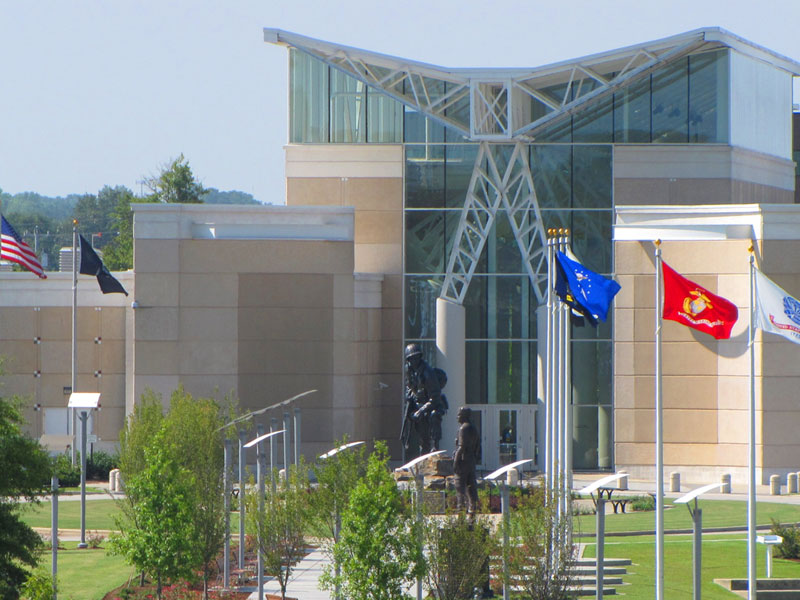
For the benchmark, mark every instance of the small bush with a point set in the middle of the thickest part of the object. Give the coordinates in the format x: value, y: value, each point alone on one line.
x: 643, y: 503
x: 99, y: 465
x: 790, y: 546
x: 94, y: 540
x: 68, y: 476
x: 39, y: 586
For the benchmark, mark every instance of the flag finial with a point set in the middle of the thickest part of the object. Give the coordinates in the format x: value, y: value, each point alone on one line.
x: 657, y: 243
x: 752, y: 247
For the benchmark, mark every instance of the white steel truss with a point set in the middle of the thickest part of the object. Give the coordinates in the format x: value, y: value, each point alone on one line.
x: 498, y: 181
x: 511, y: 104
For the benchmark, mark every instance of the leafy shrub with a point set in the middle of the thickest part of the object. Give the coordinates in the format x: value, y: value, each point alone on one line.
x: 39, y: 586
x: 94, y: 540
x: 99, y: 465
x: 643, y: 503
x: 68, y: 476
x: 790, y: 546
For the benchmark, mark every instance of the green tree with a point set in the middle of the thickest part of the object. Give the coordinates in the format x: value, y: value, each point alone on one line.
x: 378, y: 550
x: 193, y: 427
x: 279, y: 524
x: 26, y: 473
x: 542, y: 557
x: 118, y: 253
x: 161, y: 543
x: 176, y: 184
x: 457, y: 556
x: 96, y: 214
x: 139, y: 430
x: 39, y: 586
x: 337, y: 477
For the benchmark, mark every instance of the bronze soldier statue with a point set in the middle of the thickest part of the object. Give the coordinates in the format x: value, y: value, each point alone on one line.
x: 465, y: 459
x: 425, y: 403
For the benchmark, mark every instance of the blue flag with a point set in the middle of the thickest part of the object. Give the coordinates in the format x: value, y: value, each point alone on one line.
x: 585, y: 291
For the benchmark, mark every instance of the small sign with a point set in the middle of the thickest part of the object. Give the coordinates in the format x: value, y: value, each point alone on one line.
x: 67, y: 390
x: 91, y: 438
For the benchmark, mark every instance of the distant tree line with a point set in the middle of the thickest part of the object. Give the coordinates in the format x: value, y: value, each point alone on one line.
x: 46, y: 222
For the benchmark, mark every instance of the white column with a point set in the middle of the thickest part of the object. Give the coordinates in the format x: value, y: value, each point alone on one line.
x: 451, y: 356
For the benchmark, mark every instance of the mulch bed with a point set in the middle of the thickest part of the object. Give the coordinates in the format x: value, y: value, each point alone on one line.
x: 148, y: 592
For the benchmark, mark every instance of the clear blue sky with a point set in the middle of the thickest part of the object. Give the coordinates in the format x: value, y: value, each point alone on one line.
x: 102, y: 92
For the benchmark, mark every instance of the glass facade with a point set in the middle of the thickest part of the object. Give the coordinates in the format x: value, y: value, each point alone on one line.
x: 571, y: 164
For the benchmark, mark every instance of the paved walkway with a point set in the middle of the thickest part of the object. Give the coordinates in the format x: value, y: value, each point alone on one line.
x: 303, y: 584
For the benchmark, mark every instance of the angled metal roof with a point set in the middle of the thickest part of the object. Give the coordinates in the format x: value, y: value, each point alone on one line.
x: 516, y: 103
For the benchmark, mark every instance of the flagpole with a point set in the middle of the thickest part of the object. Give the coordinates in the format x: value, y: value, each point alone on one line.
x: 548, y: 393
x: 74, y: 377
x: 568, y: 392
x: 751, y: 495
x: 560, y: 399
x: 659, y: 437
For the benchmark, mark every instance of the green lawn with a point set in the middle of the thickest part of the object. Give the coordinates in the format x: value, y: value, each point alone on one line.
x: 724, y: 556
x: 87, y: 574
x: 99, y: 515
x: 716, y: 513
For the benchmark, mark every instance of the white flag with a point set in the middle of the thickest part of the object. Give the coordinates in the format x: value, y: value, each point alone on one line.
x: 776, y: 311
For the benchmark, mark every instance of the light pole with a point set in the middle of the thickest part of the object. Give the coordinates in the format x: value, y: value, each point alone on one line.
x: 261, y: 466
x: 495, y: 476
x: 337, y: 519
x: 600, y: 486
x: 412, y: 466
x: 226, y: 570
x: 54, y: 531
x: 85, y: 402
x: 697, y: 537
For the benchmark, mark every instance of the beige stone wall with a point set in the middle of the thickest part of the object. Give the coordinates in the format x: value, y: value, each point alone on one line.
x: 36, y: 342
x: 369, y: 179
x: 264, y: 319
x: 671, y: 174
x: 705, y: 381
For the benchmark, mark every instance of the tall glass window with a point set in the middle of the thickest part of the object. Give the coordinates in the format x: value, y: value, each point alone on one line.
x: 632, y: 113
x: 708, y: 89
x: 683, y: 102
x: 670, y: 103
x: 308, y: 99
x: 348, y: 109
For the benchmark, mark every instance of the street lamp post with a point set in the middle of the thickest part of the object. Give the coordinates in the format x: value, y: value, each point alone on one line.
x: 414, y: 468
x: 242, y: 466
x: 84, y: 402
x: 337, y: 519
x: 504, y: 507
x: 226, y: 570
x: 697, y: 531
x: 261, y: 466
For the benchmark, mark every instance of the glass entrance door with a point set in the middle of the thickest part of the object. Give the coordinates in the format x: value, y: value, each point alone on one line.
x: 508, y: 433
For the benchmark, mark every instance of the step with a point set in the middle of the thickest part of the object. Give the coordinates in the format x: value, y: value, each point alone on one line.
x: 593, y: 580
x: 614, y: 562
x: 591, y: 591
x: 591, y: 570
x: 768, y: 589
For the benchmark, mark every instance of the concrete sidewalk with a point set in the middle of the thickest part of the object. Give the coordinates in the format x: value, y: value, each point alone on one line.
x: 303, y: 584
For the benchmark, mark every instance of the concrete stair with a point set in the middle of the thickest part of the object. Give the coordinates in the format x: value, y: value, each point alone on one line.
x: 585, y: 576
x: 766, y: 589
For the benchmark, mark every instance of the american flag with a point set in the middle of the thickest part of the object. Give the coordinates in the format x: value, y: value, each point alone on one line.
x: 14, y: 249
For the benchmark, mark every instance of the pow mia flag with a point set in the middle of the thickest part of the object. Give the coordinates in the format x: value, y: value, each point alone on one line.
x: 92, y: 265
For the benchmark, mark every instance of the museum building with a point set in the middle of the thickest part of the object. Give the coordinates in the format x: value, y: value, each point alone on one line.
x: 418, y: 200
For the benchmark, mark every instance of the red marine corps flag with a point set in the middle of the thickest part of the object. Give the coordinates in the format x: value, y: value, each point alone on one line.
x: 696, y: 307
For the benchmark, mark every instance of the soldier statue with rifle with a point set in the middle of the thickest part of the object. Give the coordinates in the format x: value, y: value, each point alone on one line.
x: 425, y: 403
